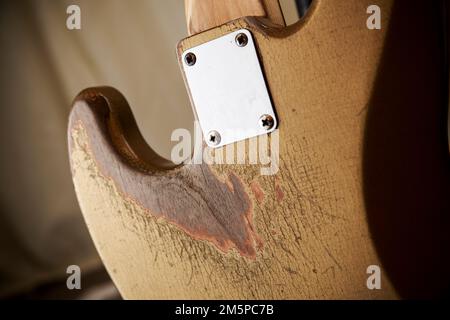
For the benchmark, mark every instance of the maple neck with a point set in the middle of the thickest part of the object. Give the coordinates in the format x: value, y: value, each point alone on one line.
x: 202, y: 15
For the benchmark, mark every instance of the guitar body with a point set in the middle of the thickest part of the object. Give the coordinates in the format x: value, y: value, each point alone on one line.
x: 363, y: 174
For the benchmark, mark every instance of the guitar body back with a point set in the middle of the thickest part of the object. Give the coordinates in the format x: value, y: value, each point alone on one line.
x: 363, y: 175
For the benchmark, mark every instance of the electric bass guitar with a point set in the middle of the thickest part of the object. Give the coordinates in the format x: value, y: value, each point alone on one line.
x: 355, y: 119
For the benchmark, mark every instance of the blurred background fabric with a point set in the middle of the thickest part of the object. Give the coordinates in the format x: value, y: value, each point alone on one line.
x: 129, y: 45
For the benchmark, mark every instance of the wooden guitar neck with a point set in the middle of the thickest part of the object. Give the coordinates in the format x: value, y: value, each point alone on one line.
x: 202, y: 15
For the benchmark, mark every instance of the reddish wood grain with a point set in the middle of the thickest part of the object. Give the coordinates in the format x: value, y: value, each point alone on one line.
x: 191, y: 197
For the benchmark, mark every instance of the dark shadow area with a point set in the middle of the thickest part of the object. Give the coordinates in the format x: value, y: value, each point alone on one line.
x: 96, y: 285
x: 302, y: 7
x: 406, y: 157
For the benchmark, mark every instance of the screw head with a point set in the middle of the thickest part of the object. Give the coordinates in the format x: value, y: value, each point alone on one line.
x: 241, y: 40
x: 267, y: 122
x: 190, y: 59
x: 214, y: 138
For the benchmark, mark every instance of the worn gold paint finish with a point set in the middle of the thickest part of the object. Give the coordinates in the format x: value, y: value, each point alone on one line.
x: 306, y: 230
x: 314, y: 237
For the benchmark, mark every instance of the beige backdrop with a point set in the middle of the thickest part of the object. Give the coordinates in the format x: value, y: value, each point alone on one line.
x: 126, y: 44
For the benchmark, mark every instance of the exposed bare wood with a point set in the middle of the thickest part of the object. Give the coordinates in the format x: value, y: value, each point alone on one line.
x: 202, y: 15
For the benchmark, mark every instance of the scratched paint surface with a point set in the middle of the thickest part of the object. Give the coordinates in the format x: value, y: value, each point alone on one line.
x: 193, y: 197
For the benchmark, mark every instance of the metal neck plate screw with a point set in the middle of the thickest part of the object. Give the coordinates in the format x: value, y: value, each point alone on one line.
x: 241, y: 39
x: 267, y: 122
x: 214, y: 138
x: 190, y: 59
